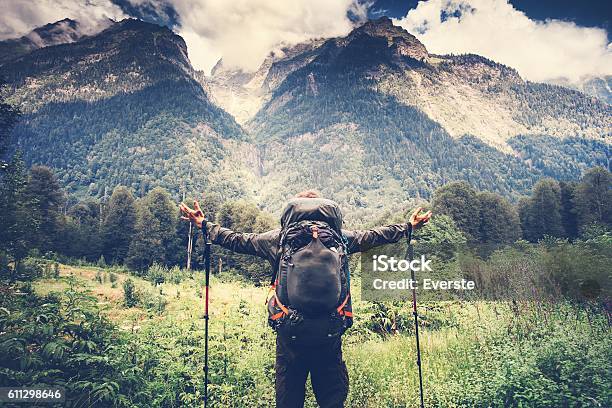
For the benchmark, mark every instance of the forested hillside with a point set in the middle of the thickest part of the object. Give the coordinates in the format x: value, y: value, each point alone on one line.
x: 121, y: 107
x: 374, y: 115
x: 370, y: 119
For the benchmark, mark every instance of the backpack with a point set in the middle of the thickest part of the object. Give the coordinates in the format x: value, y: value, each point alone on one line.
x: 310, y: 287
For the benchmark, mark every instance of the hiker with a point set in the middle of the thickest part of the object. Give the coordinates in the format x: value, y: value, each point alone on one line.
x: 310, y: 305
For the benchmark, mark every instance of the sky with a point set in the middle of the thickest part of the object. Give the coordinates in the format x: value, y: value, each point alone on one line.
x: 588, y: 13
x: 545, y: 40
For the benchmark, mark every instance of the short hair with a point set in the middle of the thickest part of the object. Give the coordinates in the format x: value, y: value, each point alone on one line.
x: 308, y: 194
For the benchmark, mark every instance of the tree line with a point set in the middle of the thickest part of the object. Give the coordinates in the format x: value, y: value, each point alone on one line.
x: 40, y: 218
x: 554, y: 208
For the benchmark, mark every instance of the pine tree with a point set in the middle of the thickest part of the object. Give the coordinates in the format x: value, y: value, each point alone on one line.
x: 593, y: 198
x: 118, y: 224
x: 459, y: 201
x: 155, y: 237
x: 541, y: 213
x: 16, y: 225
x: 46, y: 196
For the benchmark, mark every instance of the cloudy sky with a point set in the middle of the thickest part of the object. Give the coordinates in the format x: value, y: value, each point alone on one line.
x: 544, y: 39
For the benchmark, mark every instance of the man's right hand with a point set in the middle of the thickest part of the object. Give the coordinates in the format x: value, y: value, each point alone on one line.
x: 196, y: 215
x: 417, y: 219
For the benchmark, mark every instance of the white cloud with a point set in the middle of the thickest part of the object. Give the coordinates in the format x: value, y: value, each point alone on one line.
x: 242, y: 31
x: 540, y: 50
x: 245, y: 31
x: 19, y: 16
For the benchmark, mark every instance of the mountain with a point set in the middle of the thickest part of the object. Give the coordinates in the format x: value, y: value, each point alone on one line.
x: 122, y: 107
x: 373, y: 118
x: 60, y: 32
x: 370, y: 119
x: 242, y: 93
x: 600, y: 87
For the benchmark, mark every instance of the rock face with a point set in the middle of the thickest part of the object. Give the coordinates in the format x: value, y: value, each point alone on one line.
x: 467, y: 94
x: 399, y: 41
x: 243, y: 93
x: 370, y: 119
x: 412, y: 121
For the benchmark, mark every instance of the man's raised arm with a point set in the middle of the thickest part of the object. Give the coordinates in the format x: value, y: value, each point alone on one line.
x: 263, y: 245
x: 360, y: 241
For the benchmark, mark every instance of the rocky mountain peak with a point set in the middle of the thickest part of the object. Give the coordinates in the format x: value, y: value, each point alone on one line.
x: 61, y: 32
x: 400, y: 40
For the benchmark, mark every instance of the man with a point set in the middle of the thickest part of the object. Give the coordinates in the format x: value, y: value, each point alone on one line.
x: 324, y: 362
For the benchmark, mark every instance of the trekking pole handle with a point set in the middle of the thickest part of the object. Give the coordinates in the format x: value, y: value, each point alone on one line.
x: 408, y: 233
x: 205, y: 232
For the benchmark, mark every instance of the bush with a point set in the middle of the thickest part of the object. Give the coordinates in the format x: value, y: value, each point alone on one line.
x: 55, y: 271
x: 175, y: 275
x: 157, y: 273
x: 101, y: 262
x: 152, y: 302
x: 30, y: 268
x: 130, y: 298
x: 45, y: 337
x: 113, y: 279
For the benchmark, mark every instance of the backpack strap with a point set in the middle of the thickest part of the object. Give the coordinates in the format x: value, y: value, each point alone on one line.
x: 284, y: 311
x: 341, y: 310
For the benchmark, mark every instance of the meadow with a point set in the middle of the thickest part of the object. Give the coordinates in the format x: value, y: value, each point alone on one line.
x: 115, y: 339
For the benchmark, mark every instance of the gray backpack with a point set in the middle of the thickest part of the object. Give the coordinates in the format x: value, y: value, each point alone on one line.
x: 310, y: 289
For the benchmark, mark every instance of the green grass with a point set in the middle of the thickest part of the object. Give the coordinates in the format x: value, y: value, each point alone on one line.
x: 474, y: 354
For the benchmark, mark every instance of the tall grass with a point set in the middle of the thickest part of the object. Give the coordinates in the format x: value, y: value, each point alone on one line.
x: 528, y: 353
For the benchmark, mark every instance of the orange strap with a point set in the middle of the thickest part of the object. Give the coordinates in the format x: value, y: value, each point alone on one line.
x: 277, y: 316
x: 339, y: 309
x: 285, y: 311
x: 280, y: 304
x: 273, y: 287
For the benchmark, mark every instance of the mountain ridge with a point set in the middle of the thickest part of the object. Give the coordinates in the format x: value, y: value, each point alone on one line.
x: 121, y: 107
x: 370, y: 119
x: 60, y: 32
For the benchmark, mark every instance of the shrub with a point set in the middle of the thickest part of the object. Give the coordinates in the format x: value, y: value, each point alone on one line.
x: 153, y: 303
x: 156, y: 274
x: 101, y: 262
x: 176, y: 275
x: 30, y: 268
x: 130, y: 298
x: 113, y: 279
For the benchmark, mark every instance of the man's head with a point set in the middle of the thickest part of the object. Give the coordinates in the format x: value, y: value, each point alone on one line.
x: 308, y: 194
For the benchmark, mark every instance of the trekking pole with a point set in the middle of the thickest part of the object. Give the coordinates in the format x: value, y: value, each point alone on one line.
x: 207, y: 248
x: 410, y: 255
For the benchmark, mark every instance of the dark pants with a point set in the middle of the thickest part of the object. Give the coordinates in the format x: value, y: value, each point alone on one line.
x: 328, y: 374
